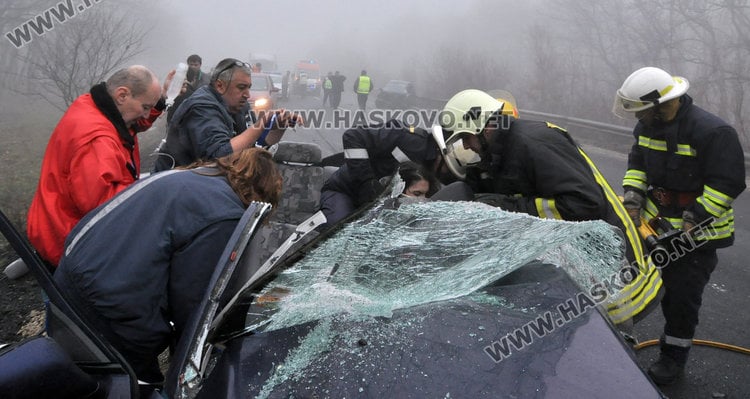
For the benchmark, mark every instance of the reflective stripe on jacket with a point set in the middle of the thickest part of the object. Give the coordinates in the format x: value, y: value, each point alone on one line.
x: 695, y: 153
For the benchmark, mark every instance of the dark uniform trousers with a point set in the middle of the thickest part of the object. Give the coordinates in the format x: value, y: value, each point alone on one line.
x: 684, y: 281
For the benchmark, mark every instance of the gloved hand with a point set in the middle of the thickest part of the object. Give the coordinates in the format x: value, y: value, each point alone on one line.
x: 634, y: 202
x: 688, y: 221
x: 368, y: 191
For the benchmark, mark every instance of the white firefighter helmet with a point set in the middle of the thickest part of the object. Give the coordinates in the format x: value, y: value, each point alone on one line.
x: 646, y: 88
x: 468, y: 112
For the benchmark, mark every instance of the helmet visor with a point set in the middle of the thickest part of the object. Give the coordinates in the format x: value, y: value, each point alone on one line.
x: 626, y: 108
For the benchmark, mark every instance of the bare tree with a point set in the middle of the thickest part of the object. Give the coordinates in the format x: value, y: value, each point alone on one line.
x: 67, y: 61
x: 596, y: 44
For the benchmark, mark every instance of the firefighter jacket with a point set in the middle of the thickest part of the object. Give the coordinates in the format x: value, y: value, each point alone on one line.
x: 537, y: 165
x: 693, y: 163
x: 375, y: 152
x: 90, y: 157
x: 144, y: 259
x: 543, y: 172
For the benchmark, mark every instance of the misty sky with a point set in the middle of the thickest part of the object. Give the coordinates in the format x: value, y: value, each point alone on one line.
x: 383, y: 36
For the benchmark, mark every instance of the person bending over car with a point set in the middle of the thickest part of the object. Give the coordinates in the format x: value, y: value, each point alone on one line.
x: 537, y: 168
x: 142, y: 260
x: 371, y: 153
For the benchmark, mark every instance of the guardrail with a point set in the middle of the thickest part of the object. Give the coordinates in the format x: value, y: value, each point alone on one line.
x: 623, y: 136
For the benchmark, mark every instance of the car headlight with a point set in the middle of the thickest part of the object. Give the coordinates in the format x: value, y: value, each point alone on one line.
x: 261, y: 102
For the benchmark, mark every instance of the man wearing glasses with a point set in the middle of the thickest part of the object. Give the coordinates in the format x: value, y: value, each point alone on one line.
x: 211, y: 122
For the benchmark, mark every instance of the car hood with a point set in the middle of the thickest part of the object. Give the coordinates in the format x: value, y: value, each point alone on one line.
x: 437, y: 298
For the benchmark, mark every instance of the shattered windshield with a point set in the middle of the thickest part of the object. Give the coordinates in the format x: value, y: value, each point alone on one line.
x: 381, y: 281
x: 427, y: 252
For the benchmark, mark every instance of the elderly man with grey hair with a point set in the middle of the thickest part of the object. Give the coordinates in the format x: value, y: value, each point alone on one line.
x: 212, y: 122
x: 92, y: 154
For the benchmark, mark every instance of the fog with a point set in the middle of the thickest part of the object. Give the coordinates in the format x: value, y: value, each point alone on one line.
x: 553, y: 55
x: 390, y: 39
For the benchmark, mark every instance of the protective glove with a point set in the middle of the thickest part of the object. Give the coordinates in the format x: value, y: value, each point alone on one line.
x: 369, y: 190
x: 634, y: 203
x: 688, y: 221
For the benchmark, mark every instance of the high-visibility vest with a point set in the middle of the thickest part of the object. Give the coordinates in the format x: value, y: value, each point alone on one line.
x: 328, y: 85
x: 364, y: 85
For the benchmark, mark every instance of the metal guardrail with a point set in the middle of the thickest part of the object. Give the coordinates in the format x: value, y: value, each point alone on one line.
x: 620, y: 132
x: 604, y: 127
x: 615, y: 130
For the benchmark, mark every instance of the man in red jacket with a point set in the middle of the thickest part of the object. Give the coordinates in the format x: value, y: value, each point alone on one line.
x: 92, y: 155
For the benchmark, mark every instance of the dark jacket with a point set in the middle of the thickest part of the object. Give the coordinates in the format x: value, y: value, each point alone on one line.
x: 200, y: 128
x: 542, y: 171
x: 697, y: 154
x: 375, y: 152
x: 143, y: 259
x: 539, y: 165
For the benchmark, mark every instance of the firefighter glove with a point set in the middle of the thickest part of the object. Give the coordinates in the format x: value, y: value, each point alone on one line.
x: 688, y: 220
x: 634, y: 202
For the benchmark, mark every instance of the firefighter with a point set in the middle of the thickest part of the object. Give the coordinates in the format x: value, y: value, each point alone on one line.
x: 537, y: 168
x: 373, y: 152
x: 686, y: 166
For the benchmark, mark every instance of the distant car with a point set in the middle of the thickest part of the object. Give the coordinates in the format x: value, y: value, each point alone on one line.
x: 263, y: 93
x: 276, y: 79
x: 397, y: 94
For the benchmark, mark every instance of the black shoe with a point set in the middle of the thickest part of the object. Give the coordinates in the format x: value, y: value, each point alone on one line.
x: 665, y: 371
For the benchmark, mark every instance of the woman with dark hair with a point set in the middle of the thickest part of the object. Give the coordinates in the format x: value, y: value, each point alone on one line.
x: 419, y: 181
x: 138, y: 265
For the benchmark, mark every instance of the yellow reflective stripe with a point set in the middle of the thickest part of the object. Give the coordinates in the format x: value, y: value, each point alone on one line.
x: 686, y: 149
x: 620, y: 309
x: 652, y: 144
x: 614, y: 200
x: 666, y: 90
x: 710, y: 207
x: 553, y: 126
x: 546, y: 208
x: 637, y: 295
x: 717, y: 196
x: 651, y: 210
x: 721, y: 227
x: 635, y: 178
x: 661, y: 145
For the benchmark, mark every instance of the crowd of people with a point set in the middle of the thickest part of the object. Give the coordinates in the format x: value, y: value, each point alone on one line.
x: 128, y: 265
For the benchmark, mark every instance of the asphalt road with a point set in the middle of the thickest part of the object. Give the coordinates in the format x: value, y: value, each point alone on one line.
x: 724, y: 318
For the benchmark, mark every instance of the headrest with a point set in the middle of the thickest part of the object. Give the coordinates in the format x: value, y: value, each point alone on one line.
x: 297, y: 153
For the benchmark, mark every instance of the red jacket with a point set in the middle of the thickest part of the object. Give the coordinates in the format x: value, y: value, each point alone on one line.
x: 85, y: 164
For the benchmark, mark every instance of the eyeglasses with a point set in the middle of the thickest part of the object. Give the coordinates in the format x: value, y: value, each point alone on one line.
x: 231, y: 64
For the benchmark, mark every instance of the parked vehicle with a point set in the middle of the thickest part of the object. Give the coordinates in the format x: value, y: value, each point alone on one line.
x: 306, y: 78
x: 276, y: 78
x: 432, y: 299
x: 397, y: 94
x: 263, y: 94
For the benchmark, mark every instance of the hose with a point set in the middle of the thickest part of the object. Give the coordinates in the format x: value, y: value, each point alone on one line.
x: 702, y: 342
